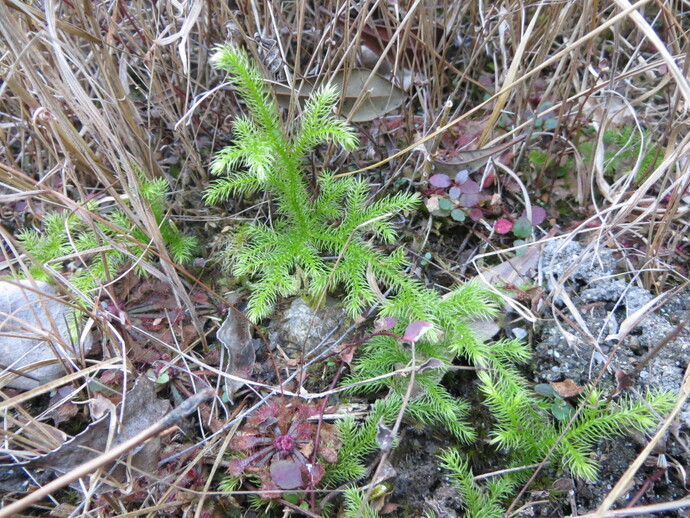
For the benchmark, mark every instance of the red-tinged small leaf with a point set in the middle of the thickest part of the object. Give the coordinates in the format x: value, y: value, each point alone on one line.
x: 269, y: 489
x: 489, y: 180
x: 267, y: 414
x: 470, y: 200
x: 476, y: 214
x: 503, y: 226
x: 386, y: 323
x: 416, y: 330
x: 304, y: 429
x: 538, y: 215
x: 242, y: 442
x: 470, y: 187
x: 440, y: 180
x: 462, y: 176
x: 286, y: 474
x: 454, y: 193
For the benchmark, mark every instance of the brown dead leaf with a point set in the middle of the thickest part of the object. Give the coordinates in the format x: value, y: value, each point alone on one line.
x: 376, y: 36
x: 624, y: 381
x: 389, y: 507
x: 346, y: 352
x: 100, y: 406
x: 563, y: 484
x: 61, y: 410
x: 239, y: 355
x: 366, y: 96
x: 211, y: 420
x: 387, y: 472
x: 431, y: 363
x: 63, y: 510
x: 516, y: 270
x: 566, y: 388
x: 111, y: 377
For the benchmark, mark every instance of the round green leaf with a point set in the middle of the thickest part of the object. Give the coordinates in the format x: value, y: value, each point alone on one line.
x: 522, y: 228
x: 544, y: 389
x: 446, y: 204
x: 562, y: 410
x: 457, y: 214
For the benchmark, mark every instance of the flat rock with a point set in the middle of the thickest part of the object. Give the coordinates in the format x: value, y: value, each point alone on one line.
x: 33, y: 328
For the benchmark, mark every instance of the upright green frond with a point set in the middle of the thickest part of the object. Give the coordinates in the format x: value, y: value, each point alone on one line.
x: 119, y: 219
x: 252, y: 152
x: 279, y: 281
x: 250, y: 85
x: 478, y: 502
x: 155, y: 190
x: 318, y: 123
x: 332, y: 222
x: 329, y: 204
x: 182, y: 247
x: 226, y: 160
x: 55, y: 222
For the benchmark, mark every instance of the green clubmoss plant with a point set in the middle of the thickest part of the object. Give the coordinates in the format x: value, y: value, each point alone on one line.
x: 317, y: 239
x: 525, y: 432
x: 624, y: 146
x: 525, y: 428
x: 431, y: 403
x: 358, y: 441
x: 479, y: 500
x: 65, y: 234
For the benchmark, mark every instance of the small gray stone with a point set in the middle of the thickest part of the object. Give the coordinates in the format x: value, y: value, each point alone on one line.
x: 29, y: 323
x: 300, y: 328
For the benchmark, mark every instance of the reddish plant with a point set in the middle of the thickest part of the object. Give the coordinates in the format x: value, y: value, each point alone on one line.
x: 280, y: 439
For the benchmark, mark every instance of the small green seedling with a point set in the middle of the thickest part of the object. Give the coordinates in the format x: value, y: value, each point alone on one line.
x: 560, y: 409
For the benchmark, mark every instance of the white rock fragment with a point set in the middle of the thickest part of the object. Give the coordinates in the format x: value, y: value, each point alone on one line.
x: 33, y: 328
